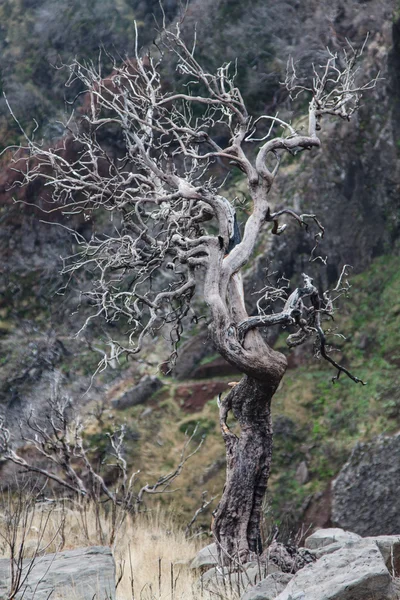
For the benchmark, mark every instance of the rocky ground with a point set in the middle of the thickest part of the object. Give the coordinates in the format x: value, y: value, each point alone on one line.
x: 334, y: 564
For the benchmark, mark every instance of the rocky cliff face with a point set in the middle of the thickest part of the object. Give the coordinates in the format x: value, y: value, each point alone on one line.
x: 365, y: 493
x: 353, y: 182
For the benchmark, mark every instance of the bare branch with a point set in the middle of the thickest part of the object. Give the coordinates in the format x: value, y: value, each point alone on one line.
x: 163, y: 483
x: 58, y: 440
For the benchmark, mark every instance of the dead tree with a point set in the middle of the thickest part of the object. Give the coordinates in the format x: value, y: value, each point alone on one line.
x: 175, y: 228
x: 60, y: 454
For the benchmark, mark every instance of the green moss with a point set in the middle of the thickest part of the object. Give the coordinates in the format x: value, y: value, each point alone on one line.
x: 202, y: 426
x: 327, y: 419
x: 209, y: 359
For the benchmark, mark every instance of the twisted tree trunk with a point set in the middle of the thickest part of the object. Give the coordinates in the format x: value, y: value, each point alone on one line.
x: 236, y: 524
x: 237, y: 519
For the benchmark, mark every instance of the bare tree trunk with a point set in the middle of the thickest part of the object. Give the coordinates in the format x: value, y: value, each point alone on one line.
x: 236, y: 524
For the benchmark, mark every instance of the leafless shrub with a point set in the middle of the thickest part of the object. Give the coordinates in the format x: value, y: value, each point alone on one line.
x: 62, y: 456
x: 20, y: 516
x: 202, y: 508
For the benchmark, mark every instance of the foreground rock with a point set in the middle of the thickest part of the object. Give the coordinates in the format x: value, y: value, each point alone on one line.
x: 83, y: 574
x: 335, y: 565
x: 325, y: 537
x: 139, y: 393
x: 206, y: 557
x: 327, y: 541
x: 220, y: 580
x: 389, y: 547
x: 268, y: 588
x: 366, y: 495
x: 354, y: 572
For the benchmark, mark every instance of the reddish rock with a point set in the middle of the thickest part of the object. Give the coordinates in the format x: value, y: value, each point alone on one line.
x: 192, y: 397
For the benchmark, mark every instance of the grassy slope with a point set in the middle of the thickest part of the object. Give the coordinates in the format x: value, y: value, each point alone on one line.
x: 315, y: 421
x: 329, y: 419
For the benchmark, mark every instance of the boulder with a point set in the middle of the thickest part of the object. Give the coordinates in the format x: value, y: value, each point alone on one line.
x: 218, y: 367
x: 219, y: 579
x: 81, y: 574
x: 326, y: 537
x: 192, y: 397
x: 268, y: 588
x: 389, y: 546
x: 206, y: 557
x: 302, y: 475
x: 318, y: 552
x: 139, y: 393
x: 356, y: 571
x: 365, y: 496
x: 191, y: 354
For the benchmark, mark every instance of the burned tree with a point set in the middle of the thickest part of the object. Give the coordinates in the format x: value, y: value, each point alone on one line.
x: 175, y: 229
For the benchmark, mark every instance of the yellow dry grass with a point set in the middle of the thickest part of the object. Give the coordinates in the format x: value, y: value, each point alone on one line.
x: 151, y: 552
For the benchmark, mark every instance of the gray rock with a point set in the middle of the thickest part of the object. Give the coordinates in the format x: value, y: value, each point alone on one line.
x: 83, y: 574
x: 318, y: 552
x: 389, y: 546
x: 396, y: 588
x: 191, y: 353
x: 219, y: 579
x: 326, y: 537
x: 139, y: 393
x: 356, y: 571
x: 366, y: 495
x: 268, y: 588
x: 206, y: 557
x: 302, y: 474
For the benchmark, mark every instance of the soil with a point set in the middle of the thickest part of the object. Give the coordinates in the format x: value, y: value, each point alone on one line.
x: 193, y: 396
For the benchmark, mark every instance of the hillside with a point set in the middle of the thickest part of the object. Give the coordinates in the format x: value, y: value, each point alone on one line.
x: 352, y: 184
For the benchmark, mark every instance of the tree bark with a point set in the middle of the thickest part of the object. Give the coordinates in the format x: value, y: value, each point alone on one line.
x: 236, y: 524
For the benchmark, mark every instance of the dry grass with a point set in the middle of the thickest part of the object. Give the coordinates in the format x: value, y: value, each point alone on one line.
x: 154, y: 551
x: 150, y: 550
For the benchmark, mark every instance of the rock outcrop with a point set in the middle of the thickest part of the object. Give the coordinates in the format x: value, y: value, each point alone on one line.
x: 219, y: 579
x: 206, y: 557
x: 268, y: 588
x: 345, y: 567
x: 366, y: 492
x: 354, y: 572
x: 326, y: 537
x: 139, y: 393
x: 81, y: 574
x: 389, y: 546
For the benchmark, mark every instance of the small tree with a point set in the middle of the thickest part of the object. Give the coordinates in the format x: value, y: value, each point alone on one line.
x: 174, y: 230
x: 60, y: 454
